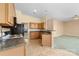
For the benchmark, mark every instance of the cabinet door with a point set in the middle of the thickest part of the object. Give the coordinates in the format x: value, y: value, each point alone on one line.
x: 41, y: 25
x: 34, y: 35
x: 11, y: 13
x: 46, y: 39
x: 34, y: 25
x: 7, y: 12
x: 37, y: 25
x: 2, y: 13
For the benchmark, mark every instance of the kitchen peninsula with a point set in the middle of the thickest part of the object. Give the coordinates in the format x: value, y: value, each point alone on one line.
x: 13, y: 46
x: 12, y: 42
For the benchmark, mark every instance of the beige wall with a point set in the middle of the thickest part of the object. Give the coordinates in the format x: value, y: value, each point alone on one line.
x: 66, y: 28
x: 58, y: 27
x: 71, y: 28
x: 22, y: 18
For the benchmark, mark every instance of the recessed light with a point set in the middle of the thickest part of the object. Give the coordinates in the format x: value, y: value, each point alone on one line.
x: 34, y: 11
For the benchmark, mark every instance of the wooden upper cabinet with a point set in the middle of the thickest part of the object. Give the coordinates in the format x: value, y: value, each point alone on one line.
x: 7, y: 12
x: 2, y: 13
x: 37, y: 25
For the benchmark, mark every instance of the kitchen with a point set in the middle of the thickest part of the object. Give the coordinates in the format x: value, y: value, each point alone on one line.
x: 16, y: 35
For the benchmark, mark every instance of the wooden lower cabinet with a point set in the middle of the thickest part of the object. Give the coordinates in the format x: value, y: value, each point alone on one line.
x: 18, y: 51
x: 46, y: 40
x: 35, y: 35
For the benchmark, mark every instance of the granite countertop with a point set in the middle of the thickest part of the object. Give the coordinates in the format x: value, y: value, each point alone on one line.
x: 44, y: 30
x: 11, y: 42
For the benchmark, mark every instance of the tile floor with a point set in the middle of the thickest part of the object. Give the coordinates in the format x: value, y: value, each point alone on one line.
x: 34, y: 48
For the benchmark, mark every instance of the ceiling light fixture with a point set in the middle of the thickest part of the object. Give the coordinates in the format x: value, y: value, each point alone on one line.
x: 76, y: 17
x: 34, y: 11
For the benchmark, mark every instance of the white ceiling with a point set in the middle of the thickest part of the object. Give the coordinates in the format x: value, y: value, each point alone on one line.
x: 62, y: 11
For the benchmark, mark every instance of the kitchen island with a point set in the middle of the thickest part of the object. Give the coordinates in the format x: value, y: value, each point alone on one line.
x: 14, y: 46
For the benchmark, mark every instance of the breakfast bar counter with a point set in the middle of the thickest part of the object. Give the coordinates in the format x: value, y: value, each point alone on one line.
x: 12, y: 47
